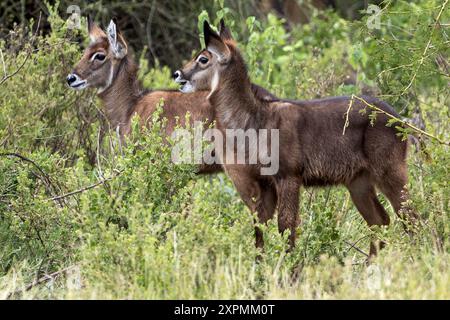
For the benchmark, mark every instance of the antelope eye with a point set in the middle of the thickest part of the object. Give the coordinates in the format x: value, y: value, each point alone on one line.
x: 203, y: 60
x: 99, y: 57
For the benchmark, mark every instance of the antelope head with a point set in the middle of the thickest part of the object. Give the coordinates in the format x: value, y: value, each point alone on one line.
x: 99, y: 64
x: 203, y: 71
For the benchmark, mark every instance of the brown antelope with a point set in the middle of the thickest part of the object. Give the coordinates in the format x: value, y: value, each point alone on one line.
x: 107, y: 66
x: 313, y: 151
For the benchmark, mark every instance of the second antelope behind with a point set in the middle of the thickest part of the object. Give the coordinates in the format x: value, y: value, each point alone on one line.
x: 313, y: 151
x: 107, y: 66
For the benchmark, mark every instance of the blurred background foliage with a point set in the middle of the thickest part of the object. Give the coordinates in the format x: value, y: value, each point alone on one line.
x: 168, y: 28
x: 149, y: 229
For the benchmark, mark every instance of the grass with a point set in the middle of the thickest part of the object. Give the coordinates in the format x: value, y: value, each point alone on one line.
x: 209, y: 254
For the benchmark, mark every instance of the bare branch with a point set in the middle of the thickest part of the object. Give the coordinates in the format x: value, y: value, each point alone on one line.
x: 43, y: 279
x: 405, y: 123
x: 85, y: 188
x: 356, y: 248
x: 346, y: 123
x: 356, y: 242
x: 6, y: 77
x: 43, y: 176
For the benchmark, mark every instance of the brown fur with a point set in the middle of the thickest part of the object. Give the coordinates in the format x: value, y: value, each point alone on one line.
x: 313, y: 150
x: 124, y: 96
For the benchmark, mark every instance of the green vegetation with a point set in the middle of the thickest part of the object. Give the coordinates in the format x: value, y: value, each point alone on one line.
x: 140, y: 226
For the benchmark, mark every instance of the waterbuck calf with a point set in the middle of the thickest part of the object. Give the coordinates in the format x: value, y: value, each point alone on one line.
x: 106, y: 65
x: 313, y: 151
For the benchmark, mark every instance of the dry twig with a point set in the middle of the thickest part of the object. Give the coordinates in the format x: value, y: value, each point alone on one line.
x: 41, y: 280
x: 407, y: 124
x: 85, y: 188
x: 356, y: 248
x: 6, y: 77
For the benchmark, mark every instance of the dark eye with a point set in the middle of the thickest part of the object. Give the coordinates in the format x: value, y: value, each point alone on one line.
x: 100, y: 57
x: 203, y: 60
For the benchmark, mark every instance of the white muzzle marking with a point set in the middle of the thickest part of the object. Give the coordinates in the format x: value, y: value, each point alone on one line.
x: 78, y: 84
x: 186, y: 86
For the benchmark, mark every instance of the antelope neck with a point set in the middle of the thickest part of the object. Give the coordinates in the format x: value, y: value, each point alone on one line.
x: 121, y: 96
x: 234, y: 102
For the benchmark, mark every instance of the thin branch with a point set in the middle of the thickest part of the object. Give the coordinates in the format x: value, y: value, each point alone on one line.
x: 422, y: 59
x: 42, y: 279
x: 3, y: 63
x: 356, y: 242
x: 6, y: 77
x: 419, y: 131
x: 50, y: 187
x: 346, y: 123
x: 21, y: 157
x: 356, y: 248
x: 148, y: 28
x: 395, y: 68
x: 85, y: 188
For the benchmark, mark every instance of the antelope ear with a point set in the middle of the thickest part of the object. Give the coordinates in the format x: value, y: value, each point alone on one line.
x: 224, y: 32
x: 116, y: 41
x: 95, y: 32
x: 215, y: 44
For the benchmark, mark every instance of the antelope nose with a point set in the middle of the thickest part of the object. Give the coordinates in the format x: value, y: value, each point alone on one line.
x: 176, y: 74
x: 71, y: 79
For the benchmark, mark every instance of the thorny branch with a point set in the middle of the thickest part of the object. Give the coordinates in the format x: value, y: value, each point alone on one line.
x: 405, y: 123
